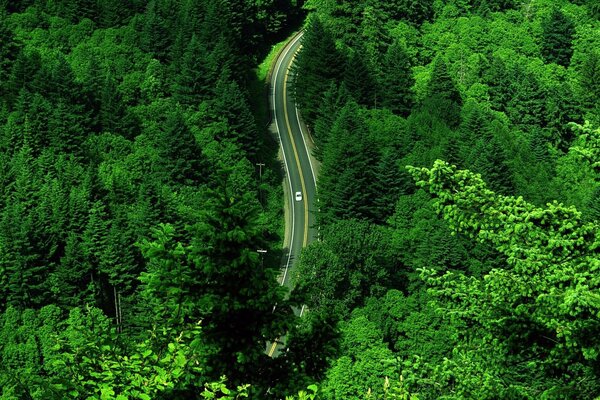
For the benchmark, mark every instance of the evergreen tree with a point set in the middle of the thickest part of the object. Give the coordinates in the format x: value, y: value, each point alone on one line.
x: 8, y: 53
x: 333, y: 100
x: 557, y: 37
x: 158, y: 30
x: 23, y: 74
x: 316, y: 66
x: 526, y: 106
x: 349, y: 167
x: 179, y: 155
x: 443, y: 97
x: 589, y: 80
x: 195, y: 81
x: 397, y: 80
x: 359, y: 80
x: 594, y: 206
x: 230, y: 104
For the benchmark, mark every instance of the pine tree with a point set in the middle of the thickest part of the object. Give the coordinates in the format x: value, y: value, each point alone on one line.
x: 333, y: 100
x: 443, y: 97
x: 397, y: 80
x: 557, y: 37
x: 23, y: 75
x: 231, y: 104
x: 594, y: 9
x: 112, y: 110
x: 220, y: 279
x: 194, y: 82
x: 593, y: 206
x: 179, y: 154
x: 158, y: 31
x: 316, y: 66
x: 349, y: 167
x: 589, y: 80
x: 9, y: 51
x: 499, y: 79
x: 526, y: 106
x: 358, y: 79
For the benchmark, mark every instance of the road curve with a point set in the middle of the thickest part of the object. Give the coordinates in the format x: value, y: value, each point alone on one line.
x: 298, y: 168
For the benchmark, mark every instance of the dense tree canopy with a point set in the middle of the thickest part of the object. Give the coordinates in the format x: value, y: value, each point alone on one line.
x: 458, y: 149
x: 490, y: 291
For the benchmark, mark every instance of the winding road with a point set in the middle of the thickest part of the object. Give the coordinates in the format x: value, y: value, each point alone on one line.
x: 299, y: 169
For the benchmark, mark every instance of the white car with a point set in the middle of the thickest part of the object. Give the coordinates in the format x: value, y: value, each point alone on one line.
x: 298, y: 196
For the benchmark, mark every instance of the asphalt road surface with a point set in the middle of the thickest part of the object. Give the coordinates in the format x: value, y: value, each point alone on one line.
x: 299, y: 170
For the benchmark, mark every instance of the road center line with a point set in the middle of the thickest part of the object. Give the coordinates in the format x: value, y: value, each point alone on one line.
x: 289, y: 129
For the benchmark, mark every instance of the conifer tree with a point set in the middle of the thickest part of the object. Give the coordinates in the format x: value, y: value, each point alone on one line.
x: 195, y: 82
x: 396, y: 80
x: 557, y: 37
x: 316, y: 66
x: 358, y: 79
x: 333, y: 100
x: 348, y: 170
x: 526, y: 106
x: 443, y: 97
x: 179, y: 154
x: 8, y: 53
x: 589, y: 80
x: 230, y: 103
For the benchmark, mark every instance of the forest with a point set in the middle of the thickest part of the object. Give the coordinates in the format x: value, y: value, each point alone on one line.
x: 459, y: 200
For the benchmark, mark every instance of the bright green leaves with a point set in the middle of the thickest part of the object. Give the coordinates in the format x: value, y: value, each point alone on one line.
x: 542, y: 307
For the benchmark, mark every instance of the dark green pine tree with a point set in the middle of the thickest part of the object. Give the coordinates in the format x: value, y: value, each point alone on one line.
x: 557, y: 38
x: 349, y: 169
x: 194, y: 82
x: 180, y: 156
x: 527, y: 105
x: 316, y: 66
x: 413, y: 11
x: 113, y: 13
x: 95, y: 237
x: 113, y: 114
x: 397, y: 81
x: 189, y: 20
x: 231, y: 104
x: 594, y: 8
x: 359, y: 80
x: 493, y: 162
x: 9, y: 50
x: 392, y: 182
x: 70, y: 282
x: 237, y: 287
x: 499, y: 79
x: 538, y: 145
x: 24, y: 71
x: 37, y: 121
x: 593, y: 206
x: 483, y: 7
x: 67, y: 132
x: 333, y: 100
x: 443, y: 98
x: 159, y: 32
x: 561, y: 108
x: 19, y: 259
x: 589, y: 80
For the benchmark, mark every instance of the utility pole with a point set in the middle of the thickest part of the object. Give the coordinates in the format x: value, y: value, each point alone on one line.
x: 262, y: 253
x: 260, y: 165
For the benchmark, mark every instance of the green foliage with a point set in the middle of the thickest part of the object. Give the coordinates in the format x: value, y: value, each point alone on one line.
x: 538, y: 309
x: 396, y: 80
x: 557, y: 36
x: 316, y: 67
